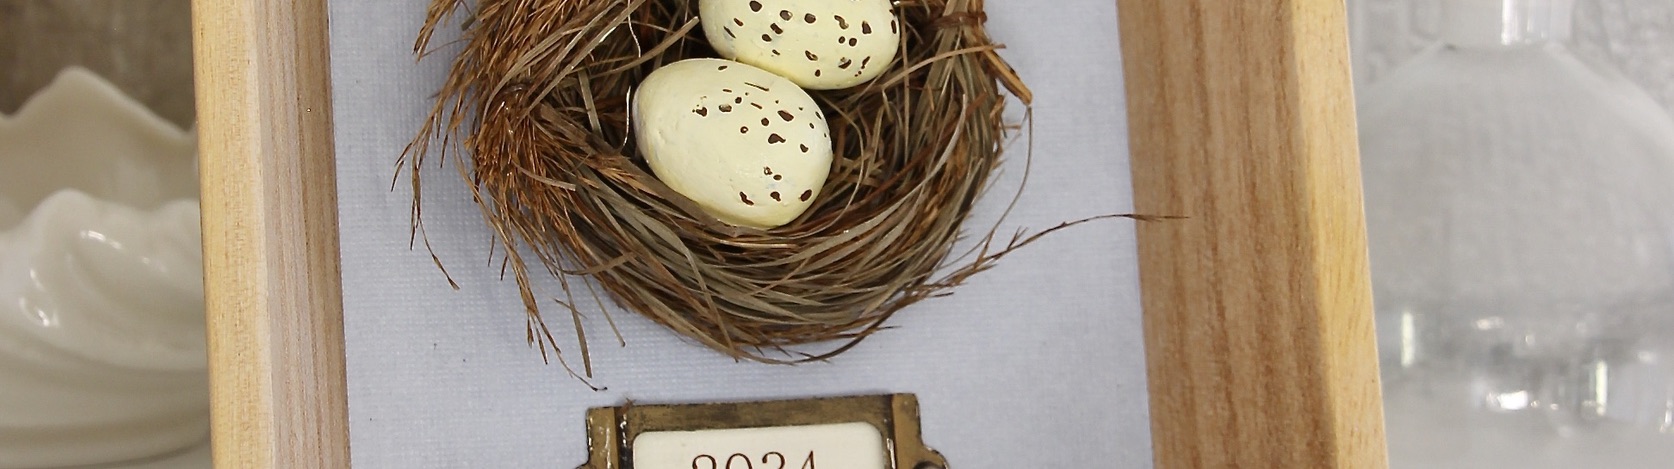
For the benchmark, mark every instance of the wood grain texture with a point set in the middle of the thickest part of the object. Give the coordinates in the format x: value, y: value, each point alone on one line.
x: 270, y: 234
x: 1258, y: 315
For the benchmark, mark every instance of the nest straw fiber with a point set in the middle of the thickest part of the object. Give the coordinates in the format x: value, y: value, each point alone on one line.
x: 535, y: 115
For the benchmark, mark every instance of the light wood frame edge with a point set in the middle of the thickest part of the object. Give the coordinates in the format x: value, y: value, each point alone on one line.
x: 272, y: 281
x: 1258, y: 314
x: 1257, y: 306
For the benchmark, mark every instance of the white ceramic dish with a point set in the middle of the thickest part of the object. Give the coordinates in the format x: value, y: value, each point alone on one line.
x: 102, y: 349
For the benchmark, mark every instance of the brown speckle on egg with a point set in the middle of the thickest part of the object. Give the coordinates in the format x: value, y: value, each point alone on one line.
x: 865, y: 28
x: 729, y: 32
x: 845, y: 63
x: 777, y: 29
x: 775, y: 196
x: 746, y: 199
x: 842, y: 39
x: 744, y: 129
x: 738, y: 100
x: 738, y: 21
x: 786, y: 116
x: 785, y: 15
x: 842, y: 23
x: 807, y: 194
x: 755, y: 6
x: 893, y: 28
x: 778, y: 177
x: 701, y: 112
x: 758, y: 106
x: 759, y: 87
x: 810, y: 18
x: 811, y: 55
x: 775, y: 139
x: 767, y: 170
x: 816, y: 72
x: 804, y: 148
x: 765, y: 122
x: 766, y: 38
x: 724, y: 107
x: 723, y: 68
x: 853, y: 42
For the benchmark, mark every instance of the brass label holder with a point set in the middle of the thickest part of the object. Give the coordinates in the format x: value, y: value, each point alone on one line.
x: 613, y: 431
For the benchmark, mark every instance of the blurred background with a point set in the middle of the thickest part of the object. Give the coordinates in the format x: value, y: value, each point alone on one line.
x: 1635, y: 36
x: 153, y: 63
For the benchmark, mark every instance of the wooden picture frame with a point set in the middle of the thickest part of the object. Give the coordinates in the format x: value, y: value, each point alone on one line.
x: 1257, y: 304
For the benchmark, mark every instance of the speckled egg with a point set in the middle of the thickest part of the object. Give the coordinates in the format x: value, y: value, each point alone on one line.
x: 750, y: 147
x: 819, y: 44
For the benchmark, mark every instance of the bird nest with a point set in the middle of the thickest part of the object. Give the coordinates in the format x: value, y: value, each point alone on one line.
x: 535, y: 113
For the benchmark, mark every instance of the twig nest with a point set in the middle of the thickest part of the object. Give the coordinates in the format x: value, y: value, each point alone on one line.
x: 818, y: 44
x: 576, y: 179
x: 748, y: 146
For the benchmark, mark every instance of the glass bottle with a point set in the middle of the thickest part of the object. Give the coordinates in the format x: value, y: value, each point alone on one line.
x: 1520, y: 206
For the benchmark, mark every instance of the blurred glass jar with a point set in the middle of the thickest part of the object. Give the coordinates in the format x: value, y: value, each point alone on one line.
x: 1520, y: 204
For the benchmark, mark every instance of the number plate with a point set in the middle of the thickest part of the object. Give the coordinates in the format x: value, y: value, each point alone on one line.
x: 835, y: 446
x: 864, y: 432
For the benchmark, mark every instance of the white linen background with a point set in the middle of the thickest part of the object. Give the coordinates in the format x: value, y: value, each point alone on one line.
x: 1038, y: 363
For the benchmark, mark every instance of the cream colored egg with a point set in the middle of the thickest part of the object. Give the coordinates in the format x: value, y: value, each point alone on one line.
x: 819, y: 44
x: 748, y: 146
